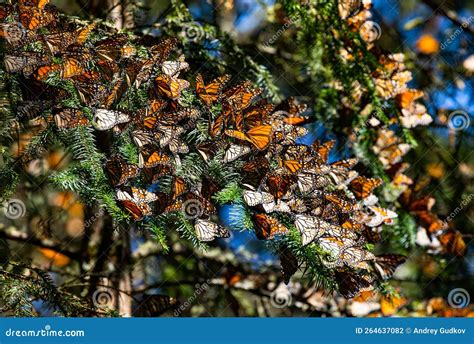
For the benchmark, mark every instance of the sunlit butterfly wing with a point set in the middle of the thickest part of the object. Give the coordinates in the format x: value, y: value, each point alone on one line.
x: 179, y: 187
x: 170, y: 87
x: 107, y: 119
x: 310, y: 227
x: 212, y: 92
x: 70, y: 118
x: 235, y: 152
x: 363, y: 187
x: 151, y: 157
x: 208, y: 231
x: 173, y: 68
x: 385, y: 265
x: 267, y: 227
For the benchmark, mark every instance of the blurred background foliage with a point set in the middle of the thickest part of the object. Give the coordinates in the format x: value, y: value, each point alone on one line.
x: 263, y: 41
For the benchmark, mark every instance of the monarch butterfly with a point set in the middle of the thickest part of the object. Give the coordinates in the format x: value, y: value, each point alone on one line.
x: 234, y: 152
x: 208, y: 231
x: 289, y: 264
x: 70, y: 118
x: 258, y: 136
x: 257, y: 114
x: 453, y: 243
x: 205, y: 206
x: 362, y: 187
x: 406, y: 98
x: 382, y: 216
x: 212, y: 92
x: 153, y: 174
x: 254, y: 198
x: 110, y: 48
x: 155, y: 305
x: 82, y: 35
x: 208, y: 150
x: 279, y: 185
x: 342, y: 204
x: 91, y: 93
x: 119, y: 171
x: 35, y: 3
x: 150, y: 157
x: 241, y: 96
x: 290, y: 107
x: 135, y: 201
x: 107, y: 119
x: 179, y: 187
x: 353, y: 256
x: 33, y: 18
x: 308, y: 182
x: 267, y: 227
x: 385, y: 265
x: 170, y: 87
x: 71, y: 67
x: 142, y: 137
x: 166, y: 133
x: 310, y: 227
x: 14, y: 64
x: 173, y: 68
x: 292, y: 165
x: 351, y: 284
x: 323, y: 149
x: 57, y: 42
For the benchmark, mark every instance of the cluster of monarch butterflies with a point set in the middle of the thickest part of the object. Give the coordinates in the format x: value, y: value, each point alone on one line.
x: 287, y: 186
x: 391, y: 80
x: 391, y: 77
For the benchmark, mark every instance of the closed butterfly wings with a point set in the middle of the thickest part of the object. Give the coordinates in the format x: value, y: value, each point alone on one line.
x: 207, y: 230
x: 107, y: 119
